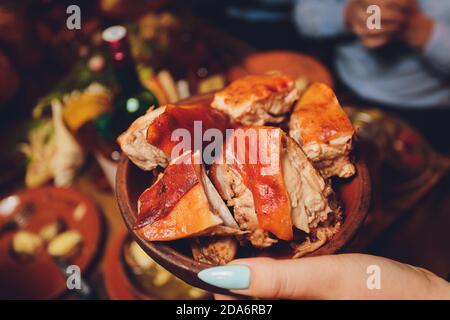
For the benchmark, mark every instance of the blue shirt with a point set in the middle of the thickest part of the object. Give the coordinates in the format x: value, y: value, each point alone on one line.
x: 400, y: 78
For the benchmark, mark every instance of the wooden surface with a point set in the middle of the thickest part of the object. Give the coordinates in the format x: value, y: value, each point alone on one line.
x: 420, y: 235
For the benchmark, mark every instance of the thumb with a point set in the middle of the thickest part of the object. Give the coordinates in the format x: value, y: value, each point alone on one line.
x: 305, y: 278
x: 342, y: 276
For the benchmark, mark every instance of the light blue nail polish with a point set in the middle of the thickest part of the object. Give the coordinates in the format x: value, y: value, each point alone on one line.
x: 233, y: 277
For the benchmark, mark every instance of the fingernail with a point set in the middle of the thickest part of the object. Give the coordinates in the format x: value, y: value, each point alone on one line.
x: 233, y: 277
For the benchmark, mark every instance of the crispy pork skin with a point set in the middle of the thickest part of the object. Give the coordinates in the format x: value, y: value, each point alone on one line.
x: 324, y: 131
x: 178, y: 204
x: 159, y: 133
x: 257, y: 99
x: 293, y: 195
x: 149, y: 141
x: 258, y: 195
x: 230, y: 185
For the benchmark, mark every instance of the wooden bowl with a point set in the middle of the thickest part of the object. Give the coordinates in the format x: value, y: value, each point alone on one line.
x: 131, y: 181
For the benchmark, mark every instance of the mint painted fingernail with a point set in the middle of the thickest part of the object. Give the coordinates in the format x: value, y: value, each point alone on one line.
x: 233, y: 277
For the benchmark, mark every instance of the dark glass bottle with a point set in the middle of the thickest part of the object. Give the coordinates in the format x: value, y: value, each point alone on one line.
x: 132, y: 99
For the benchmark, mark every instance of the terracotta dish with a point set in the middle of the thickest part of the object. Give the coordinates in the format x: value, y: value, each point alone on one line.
x: 290, y: 63
x: 175, y: 256
x: 39, y: 277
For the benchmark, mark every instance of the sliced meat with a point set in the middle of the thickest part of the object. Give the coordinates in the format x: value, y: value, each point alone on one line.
x: 217, y: 250
x: 216, y: 202
x: 133, y: 143
x: 257, y: 99
x: 324, y: 131
x: 310, y: 195
x: 293, y: 193
x: 233, y: 190
x: 254, y: 186
x: 316, y: 240
x: 153, y: 139
x: 166, y: 130
x: 181, y: 204
x: 255, y: 153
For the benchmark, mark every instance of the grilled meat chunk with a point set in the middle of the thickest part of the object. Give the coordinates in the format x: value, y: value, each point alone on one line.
x: 133, y: 143
x: 183, y: 203
x: 309, y: 194
x: 231, y: 187
x: 257, y: 99
x: 151, y: 139
x: 291, y: 193
x: 324, y: 131
x: 219, y: 250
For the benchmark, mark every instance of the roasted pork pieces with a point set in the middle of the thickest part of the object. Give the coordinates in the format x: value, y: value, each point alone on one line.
x: 214, y: 250
x: 183, y: 203
x: 150, y: 139
x: 265, y: 176
x: 266, y: 186
x: 324, y: 131
x: 257, y: 100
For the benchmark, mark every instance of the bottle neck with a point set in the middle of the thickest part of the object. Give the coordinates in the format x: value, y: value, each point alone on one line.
x: 125, y: 71
x: 127, y: 77
x: 124, y: 67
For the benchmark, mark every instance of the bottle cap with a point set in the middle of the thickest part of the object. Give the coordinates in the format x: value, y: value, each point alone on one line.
x: 114, y: 33
x: 115, y: 38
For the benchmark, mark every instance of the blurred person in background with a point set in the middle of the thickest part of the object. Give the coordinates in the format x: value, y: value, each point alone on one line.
x: 404, y: 64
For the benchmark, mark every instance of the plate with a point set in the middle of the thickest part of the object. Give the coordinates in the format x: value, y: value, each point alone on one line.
x: 122, y: 284
x: 293, y: 64
x: 117, y: 284
x: 39, y: 277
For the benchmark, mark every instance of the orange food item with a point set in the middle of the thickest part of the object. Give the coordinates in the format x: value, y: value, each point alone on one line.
x: 154, y: 86
x: 266, y: 183
x: 320, y: 116
x: 176, y: 206
x: 293, y: 64
x: 184, y: 117
x: 252, y: 88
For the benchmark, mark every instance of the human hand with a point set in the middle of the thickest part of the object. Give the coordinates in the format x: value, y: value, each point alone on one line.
x: 342, y: 276
x: 394, y: 15
x: 417, y: 29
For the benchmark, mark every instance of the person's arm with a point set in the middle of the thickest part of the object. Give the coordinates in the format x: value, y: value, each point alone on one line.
x: 437, y: 50
x: 431, y: 38
x: 320, y: 19
x: 345, y: 276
